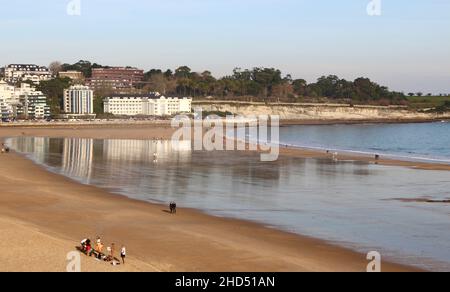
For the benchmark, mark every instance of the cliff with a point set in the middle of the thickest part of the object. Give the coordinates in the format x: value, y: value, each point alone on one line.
x: 319, y: 112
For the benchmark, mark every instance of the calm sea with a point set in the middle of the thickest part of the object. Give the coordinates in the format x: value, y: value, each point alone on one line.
x: 422, y: 141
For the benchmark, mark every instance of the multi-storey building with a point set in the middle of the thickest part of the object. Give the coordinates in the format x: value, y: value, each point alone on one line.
x: 152, y: 104
x: 7, y: 100
x: 115, y: 77
x: 6, y: 110
x: 33, y: 105
x: 26, y: 72
x: 24, y: 101
x: 78, y: 100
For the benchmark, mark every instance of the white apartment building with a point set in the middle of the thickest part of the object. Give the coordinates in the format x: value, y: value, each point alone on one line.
x: 152, y: 104
x: 24, y: 72
x: 6, y: 90
x: 79, y: 100
x: 6, y: 100
x: 23, y: 101
x: 33, y: 105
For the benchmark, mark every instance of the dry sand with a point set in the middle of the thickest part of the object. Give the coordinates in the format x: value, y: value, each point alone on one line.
x: 44, y: 215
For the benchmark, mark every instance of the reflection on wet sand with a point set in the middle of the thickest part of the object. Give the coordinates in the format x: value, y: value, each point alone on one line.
x: 77, y: 155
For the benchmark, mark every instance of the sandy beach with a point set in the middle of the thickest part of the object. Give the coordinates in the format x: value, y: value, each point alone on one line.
x: 42, y: 211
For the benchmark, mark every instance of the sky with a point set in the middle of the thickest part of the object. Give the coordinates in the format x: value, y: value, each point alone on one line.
x: 407, y: 47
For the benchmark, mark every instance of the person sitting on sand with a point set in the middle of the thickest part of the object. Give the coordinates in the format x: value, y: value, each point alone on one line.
x: 99, y: 249
x: 108, y: 257
x: 83, y: 244
x: 88, y: 247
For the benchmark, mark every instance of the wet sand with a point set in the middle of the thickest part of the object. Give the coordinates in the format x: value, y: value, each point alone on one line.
x: 39, y: 209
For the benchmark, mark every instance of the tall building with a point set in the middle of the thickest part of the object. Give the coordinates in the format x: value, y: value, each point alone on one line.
x: 78, y: 100
x: 26, y: 72
x: 152, y: 104
x: 115, y: 77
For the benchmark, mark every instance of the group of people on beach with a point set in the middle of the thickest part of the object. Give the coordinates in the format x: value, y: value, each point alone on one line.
x: 97, y: 248
x: 97, y: 251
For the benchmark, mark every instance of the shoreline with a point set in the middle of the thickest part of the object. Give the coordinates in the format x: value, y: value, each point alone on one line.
x: 167, y: 123
x: 215, y: 244
x: 345, y: 156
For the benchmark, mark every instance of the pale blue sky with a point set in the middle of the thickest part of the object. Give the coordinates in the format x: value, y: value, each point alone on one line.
x: 406, y: 48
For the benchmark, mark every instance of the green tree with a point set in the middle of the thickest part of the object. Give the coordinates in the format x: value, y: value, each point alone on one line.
x: 54, y: 90
x: 267, y: 78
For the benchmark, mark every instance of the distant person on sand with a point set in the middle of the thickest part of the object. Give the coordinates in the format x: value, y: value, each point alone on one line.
x: 113, y: 249
x: 108, y: 258
x: 123, y: 254
x: 88, y: 247
x: 173, y: 208
x: 99, y: 248
x: 83, y: 244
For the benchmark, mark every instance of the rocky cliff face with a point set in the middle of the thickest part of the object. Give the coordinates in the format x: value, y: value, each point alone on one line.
x: 318, y: 111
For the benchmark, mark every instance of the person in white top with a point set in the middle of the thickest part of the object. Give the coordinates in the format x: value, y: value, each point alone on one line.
x: 123, y: 254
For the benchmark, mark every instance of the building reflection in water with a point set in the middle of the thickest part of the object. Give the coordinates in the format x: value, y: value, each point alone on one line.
x: 145, y: 150
x: 85, y: 158
x: 77, y: 158
x: 39, y: 146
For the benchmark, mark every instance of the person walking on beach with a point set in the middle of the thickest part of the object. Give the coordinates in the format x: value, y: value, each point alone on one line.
x: 123, y: 254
